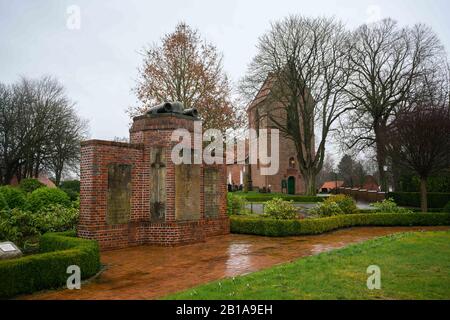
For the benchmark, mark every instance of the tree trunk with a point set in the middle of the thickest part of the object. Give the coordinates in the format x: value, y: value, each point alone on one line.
x: 423, y: 195
x: 310, y: 183
x: 381, y: 156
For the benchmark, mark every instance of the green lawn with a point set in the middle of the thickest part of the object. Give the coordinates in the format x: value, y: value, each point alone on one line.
x: 413, y: 266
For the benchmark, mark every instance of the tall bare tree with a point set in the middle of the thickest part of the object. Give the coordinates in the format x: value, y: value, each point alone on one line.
x: 37, y: 124
x: 307, y: 60
x: 420, y: 140
x: 187, y: 69
x: 388, y: 63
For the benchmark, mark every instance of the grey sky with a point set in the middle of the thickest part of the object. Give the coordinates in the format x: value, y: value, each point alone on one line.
x: 97, y: 63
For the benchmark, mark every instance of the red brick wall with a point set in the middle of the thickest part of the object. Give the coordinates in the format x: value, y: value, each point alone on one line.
x: 147, y: 132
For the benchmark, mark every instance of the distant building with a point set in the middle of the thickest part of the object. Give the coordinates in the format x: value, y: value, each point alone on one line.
x: 329, y: 186
x: 43, y: 178
x: 289, y: 178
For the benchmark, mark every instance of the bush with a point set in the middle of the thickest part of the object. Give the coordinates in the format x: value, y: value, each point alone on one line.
x: 280, y: 209
x: 284, y: 228
x: 73, y: 185
x: 335, y: 205
x: 48, y: 269
x: 15, y: 197
x: 235, y: 205
x: 24, y: 227
x: 446, y: 208
x: 29, y: 185
x: 412, y: 199
x: 56, y: 218
x: 19, y: 227
x: 43, y: 197
x: 71, y: 188
x: 326, y: 209
x: 389, y: 206
x: 3, y: 203
x: 268, y: 197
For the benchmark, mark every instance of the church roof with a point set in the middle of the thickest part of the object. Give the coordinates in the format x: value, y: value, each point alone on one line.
x: 262, y: 94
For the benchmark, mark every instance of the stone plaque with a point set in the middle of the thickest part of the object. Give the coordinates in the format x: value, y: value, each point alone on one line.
x: 187, y: 192
x: 158, y: 184
x: 9, y: 250
x: 119, y: 194
x: 212, y: 195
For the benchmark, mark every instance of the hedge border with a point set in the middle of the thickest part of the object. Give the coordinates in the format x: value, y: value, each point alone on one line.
x: 286, y: 228
x: 412, y: 199
x: 47, y: 270
x: 268, y: 197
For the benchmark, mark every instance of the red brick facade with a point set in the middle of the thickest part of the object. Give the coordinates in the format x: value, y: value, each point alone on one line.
x: 147, y: 132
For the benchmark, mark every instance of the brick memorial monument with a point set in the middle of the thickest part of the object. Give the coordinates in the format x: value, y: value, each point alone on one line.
x: 133, y: 194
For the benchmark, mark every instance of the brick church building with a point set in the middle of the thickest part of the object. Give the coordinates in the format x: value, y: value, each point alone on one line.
x: 289, y: 178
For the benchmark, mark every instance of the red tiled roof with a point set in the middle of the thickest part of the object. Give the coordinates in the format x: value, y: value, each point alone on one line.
x: 332, y: 184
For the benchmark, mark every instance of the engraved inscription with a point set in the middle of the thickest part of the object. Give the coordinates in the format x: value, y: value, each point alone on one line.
x: 187, y: 192
x: 211, y: 196
x: 119, y: 194
x: 158, y: 188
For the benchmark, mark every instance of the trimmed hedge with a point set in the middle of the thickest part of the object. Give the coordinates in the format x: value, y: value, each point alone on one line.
x: 268, y: 197
x: 48, y: 269
x: 44, y: 197
x: 284, y: 228
x: 412, y: 199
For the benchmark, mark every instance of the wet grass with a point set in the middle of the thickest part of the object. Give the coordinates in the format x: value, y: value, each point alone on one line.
x: 414, y: 266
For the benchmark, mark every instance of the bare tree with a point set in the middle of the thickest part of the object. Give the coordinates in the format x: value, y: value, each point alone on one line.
x: 37, y: 123
x: 388, y: 64
x: 420, y: 140
x: 187, y: 69
x: 307, y: 62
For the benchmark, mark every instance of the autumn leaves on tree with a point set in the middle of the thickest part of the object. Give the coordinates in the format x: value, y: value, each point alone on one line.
x: 188, y: 69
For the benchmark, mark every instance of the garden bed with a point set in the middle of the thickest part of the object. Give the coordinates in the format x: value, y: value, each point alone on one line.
x: 48, y: 270
x: 285, y: 228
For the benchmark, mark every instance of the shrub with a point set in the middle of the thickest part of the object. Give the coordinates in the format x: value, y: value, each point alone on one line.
x: 268, y: 197
x: 48, y: 269
x: 29, y: 185
x: 24, y: 227
x: 15, y: 197
x: 3, y: 203
x: 412, y: 199
x: 280, y: 209
x: 18, y: 226
x: 389, y: 206
x: 335, y: 205
x: 446, y: 208
x: 326, y: 209
x: 56, y: 218
x: 235, y: 205
x: 345, y: 203
x: 71, y: 188
x: 44, y: 197
x: 283, y: 228
x: 73, y: 185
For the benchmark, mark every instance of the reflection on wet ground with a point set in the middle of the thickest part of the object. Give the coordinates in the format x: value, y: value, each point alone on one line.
x: 150, y: 272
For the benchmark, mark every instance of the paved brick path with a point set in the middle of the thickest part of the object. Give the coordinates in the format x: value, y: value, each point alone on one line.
x: 153, y: 272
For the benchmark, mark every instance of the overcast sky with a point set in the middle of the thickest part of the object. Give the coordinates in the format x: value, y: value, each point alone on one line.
x: 97, y: 62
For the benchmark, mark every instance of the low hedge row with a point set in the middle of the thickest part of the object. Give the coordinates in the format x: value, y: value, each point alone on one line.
x: 47, y: 270
x: 268, y: 197
x: 284, y: 228
x: 412, y: 199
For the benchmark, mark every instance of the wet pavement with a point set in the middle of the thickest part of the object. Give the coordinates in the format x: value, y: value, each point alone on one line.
x: 150, y: 272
